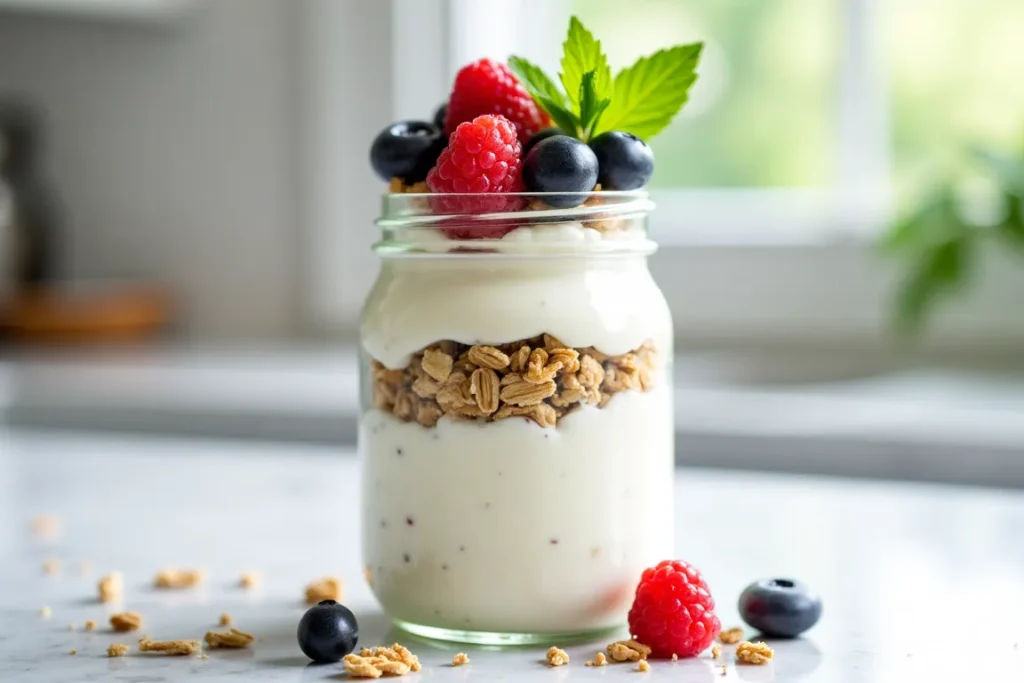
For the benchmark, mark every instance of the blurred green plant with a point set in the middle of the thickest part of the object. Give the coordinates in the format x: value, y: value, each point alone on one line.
x: 940, y: 245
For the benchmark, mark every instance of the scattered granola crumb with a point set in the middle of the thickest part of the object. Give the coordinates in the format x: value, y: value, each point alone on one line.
x: 628, y: 651
x: 379, y: 661
x: 90, y: 625
x: 395, y: 653
x: 598, y: 660
x: 643, y: 666
x: 675, y: 657
x: 327, y: 588
x: 203, y: 656
x: 228, y: 639
x: 178, y: 578
x: 557, y: 657
x: 45, y: 612
x: 45, y: 526
x: 225, y: 619
x: 170, y: 647
x: 51, y: 566
x: 125, y: 621
x: 117, y: 650
x: 753, y: 653
x: 716, y: 651
x: 725, y: 669
x: 731, y: 636
x: 73, y: 652
x: 460, y: 659
x: 249, y: 580
x: 111, y: 587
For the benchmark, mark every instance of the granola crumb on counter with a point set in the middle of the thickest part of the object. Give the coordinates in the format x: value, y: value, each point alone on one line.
x: 557, y: 657
x: 51, y: 566
x: 460, y: 659
x: 90, y: 625
x: 716, y: 651
x: 178, y: 578
x: 381, y: 661
x: 203, y: 656
x: 675, y: 657
x: 249, y: 580
x: 628, y: 651
x: 126, y: 621
x: 327, y: 588
x: 170, y: 647
x: 598, y: 660
x: 111, y: 587
x: 45, y: 612
x: 643, y: 666
x: 395, y: 653
x: 45, y: 526
x: 731, y: 636
x: 117, y: 650
x: 73, y: 652
x: 754, y: 653
x: 725, y: 669
x: 228, y: 639
x: 225, y: 619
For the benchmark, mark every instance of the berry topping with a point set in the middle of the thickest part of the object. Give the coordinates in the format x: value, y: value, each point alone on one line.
x: 543, y: 135
x: 560, y: 164
x: 488, y: 87
x: 406, y: 150
x: 482, y: 157
x: 779, y: 607
x: 626, y: 162
x: 440, y: 115
x: 328, y: 631
x: 673, y: 611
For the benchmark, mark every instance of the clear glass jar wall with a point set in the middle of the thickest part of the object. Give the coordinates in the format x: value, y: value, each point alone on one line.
x: 516, y: 434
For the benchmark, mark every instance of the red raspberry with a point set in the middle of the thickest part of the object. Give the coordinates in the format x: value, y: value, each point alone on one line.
x: 483, y: 157
x: 673, y: 611
x: 488, y: 87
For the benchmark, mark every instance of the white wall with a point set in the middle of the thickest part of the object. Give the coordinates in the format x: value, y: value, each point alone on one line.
x: 174, y: 147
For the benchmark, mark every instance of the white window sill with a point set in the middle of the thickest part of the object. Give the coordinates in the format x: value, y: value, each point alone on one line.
x: 920, y: 424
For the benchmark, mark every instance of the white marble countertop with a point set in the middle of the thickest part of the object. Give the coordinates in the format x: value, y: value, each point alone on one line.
x: 920, y: 582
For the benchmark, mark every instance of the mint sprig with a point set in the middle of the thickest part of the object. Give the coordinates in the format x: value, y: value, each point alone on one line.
x: 642, y: 99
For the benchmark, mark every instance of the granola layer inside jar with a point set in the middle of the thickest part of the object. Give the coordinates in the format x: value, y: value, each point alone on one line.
x: 538, y: 378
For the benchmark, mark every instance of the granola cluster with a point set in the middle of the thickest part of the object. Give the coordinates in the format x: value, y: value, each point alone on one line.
x: 754, y: 653
x: 538, y: 378
x: 381, y: 661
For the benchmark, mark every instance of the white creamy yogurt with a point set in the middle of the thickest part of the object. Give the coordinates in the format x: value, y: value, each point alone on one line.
x: 510, y: 527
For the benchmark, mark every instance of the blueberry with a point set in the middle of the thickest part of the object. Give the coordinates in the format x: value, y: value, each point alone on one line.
x: 779, y: 607
x: 560, y: 164
x: 439, y: 115
x: 626, y: 162
x: 328, y: 631
x: 543, y: 135
x: 407, y: 150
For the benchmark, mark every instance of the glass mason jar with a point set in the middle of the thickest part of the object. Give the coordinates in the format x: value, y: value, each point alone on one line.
x: 517, y: 428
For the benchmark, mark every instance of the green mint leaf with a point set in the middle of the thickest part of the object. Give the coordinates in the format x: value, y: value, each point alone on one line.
x: 562, y: 117
x: 647, y: 95
x: 1008, y: 170
x: 536, y: 82
x: 591, y: 107
x: 581, y: 53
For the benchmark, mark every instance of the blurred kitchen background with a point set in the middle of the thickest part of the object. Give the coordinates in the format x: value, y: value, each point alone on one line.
x: 186, y: 216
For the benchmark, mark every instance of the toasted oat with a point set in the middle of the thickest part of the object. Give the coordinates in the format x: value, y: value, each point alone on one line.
x: 753, y: 653
x: 395, y: 653
x: 45, y: 526
x: 51, y: 566
x: 528, y: 393
x: 568, y: 358
x: 542, y: 413
x: 437, y: 364
x: 126, y: 621
x: 90, y: 625
x: 716, y: 651
x: 731, y: 636
x: 45, y: 612
x: 228, y: 639
x: 598, y: 660
x: 178, y: 578
x: 460, y: 659
x: 225, y: 619
x: 675, y: 657
x: 111, y: 587
x: 379, y: 661
x: 557, y: 657
x: 170, y: 647
x: 539, y: 369
x: 628, y: 651
x: 519, y: 359
x: 643, y: 666
x: 117, y: 650
x: 485, y: 386
x: 488, y: 357
x: 327, y: 588
x: 73, y: 652
x: 249, y: 580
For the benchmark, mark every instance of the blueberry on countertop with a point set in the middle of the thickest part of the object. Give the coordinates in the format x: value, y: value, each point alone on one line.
x: 626, y: 162
x: 563, y: 165
x: 407, y: 150
x: 440, y: 114
x: 542, y: 135
x: 328, y: 631
x: 779, y: 607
